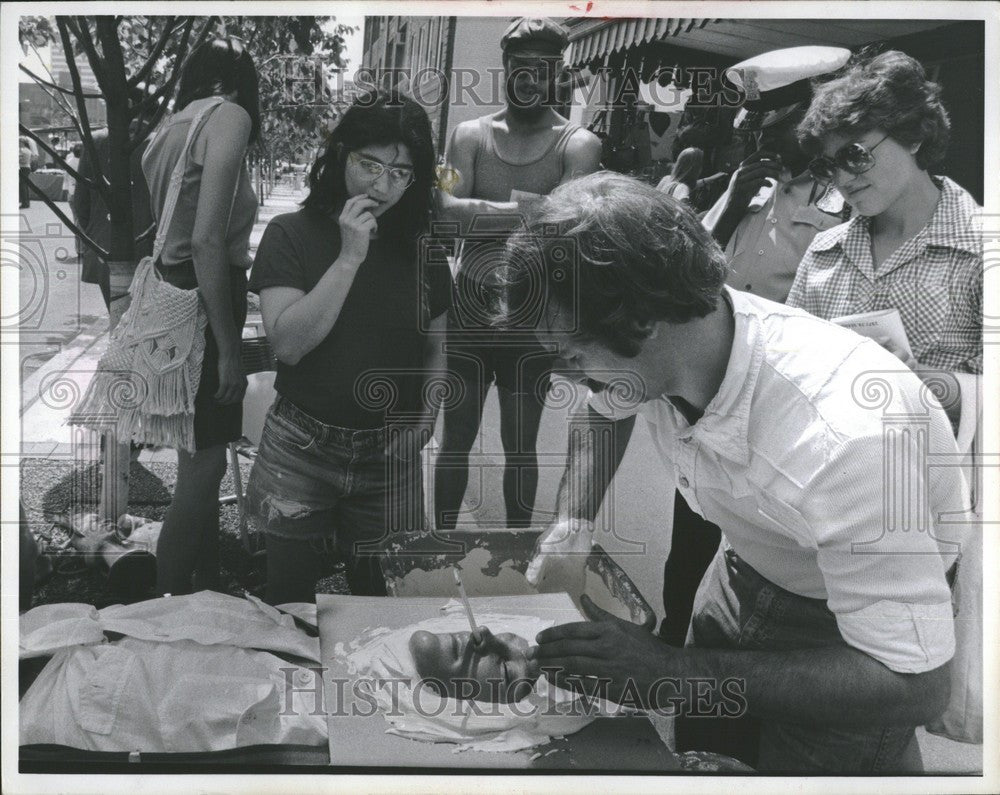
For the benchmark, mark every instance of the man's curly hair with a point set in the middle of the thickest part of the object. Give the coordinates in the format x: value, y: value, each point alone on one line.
x: 886, y: 91
x: 619, y: 255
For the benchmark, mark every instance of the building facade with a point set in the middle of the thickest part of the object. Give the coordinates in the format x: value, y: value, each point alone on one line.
x: 451, y: 65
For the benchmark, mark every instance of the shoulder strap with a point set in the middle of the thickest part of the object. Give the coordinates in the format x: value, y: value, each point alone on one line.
x: 176, y: 178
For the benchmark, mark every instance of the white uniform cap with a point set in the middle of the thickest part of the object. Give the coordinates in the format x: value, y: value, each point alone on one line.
x: 776, y: 82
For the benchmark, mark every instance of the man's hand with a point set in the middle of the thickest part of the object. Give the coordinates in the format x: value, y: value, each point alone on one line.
x: 751, y: 176
x: 560, y: 559
x: 605, y: 647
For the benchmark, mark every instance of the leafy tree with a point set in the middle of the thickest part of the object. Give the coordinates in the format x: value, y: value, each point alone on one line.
x: 296, y: 58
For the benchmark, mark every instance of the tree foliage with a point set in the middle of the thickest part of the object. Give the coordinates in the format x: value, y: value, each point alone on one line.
x: 296, y: 57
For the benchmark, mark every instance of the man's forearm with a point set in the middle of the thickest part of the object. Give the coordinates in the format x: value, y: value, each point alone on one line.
x: 464, y: 211
x: 833, y: 686
x: 596, y: 448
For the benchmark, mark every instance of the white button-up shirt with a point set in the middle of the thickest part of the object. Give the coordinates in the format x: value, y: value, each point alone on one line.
x: 832, y: 472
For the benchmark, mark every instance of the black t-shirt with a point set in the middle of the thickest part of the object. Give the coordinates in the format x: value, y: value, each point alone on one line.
x: 371, y: 363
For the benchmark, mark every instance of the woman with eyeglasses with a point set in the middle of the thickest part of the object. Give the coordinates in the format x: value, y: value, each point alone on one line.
x: 207, y: 246
x: 356, y: 319
x: 913, y: 245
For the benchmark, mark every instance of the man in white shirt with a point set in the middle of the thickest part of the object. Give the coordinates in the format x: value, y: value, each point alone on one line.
x: 828, y: 607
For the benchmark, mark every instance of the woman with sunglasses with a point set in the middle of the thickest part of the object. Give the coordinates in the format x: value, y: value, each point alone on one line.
x: 913, y: 244
x: 207, y: 246
x: 355, y: 318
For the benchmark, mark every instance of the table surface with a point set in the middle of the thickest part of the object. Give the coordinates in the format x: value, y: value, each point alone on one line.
x: 623, y: 743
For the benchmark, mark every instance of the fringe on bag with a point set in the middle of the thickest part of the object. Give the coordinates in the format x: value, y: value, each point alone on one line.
x: 145, y: 386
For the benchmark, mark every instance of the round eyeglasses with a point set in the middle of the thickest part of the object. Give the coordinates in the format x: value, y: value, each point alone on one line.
x: 399, y: 176
x: 855, y: 158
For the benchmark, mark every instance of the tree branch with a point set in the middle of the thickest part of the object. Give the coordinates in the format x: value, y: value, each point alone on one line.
x: 60, y: 160
x: 43, y: 82
x: 63, y: 23
x: 154, y: 55
x: 122, y: 242
x: 63, y: 105
x: 84, y: 238
x: 143, y: 131
x: 82, y: 32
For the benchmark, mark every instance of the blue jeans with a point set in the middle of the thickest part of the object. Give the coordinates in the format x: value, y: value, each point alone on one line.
x: 737, y: 608
x: 317, y: 488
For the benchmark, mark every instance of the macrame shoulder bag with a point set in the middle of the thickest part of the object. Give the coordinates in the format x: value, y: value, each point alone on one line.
x: 146, y: 381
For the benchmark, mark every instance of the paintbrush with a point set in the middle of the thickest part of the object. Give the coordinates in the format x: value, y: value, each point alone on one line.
x: 465, y: 603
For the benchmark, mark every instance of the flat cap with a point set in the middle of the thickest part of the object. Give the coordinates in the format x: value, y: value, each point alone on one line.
x: 536, y: 35
x: 776, y: 83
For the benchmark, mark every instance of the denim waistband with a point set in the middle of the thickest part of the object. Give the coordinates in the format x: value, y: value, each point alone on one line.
x: 324, y: 433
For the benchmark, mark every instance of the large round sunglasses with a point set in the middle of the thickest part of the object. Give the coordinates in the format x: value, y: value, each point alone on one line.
x: 399, y: 176
x: 854, y: 158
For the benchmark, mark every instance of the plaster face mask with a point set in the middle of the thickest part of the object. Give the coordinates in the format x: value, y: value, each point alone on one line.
x: 492, y: 670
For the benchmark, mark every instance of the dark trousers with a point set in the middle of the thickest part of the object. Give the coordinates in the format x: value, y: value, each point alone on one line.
x: 693, y: 543
x: 737, y: 608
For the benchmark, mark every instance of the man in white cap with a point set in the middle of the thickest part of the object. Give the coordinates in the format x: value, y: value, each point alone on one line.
x: 496, y: 165
x: 773, y: 208
x: 765, y: 221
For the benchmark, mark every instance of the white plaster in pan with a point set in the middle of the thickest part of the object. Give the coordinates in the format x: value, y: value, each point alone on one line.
x: 548, y: 712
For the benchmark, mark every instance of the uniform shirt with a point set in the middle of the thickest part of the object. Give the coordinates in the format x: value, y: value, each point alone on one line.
x: 789, y: 460
x: 765, y: 250
x: 935, y: 280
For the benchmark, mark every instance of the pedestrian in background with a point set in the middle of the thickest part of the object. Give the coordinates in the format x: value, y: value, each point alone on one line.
x: 683, y: 178
x: 24, y: 172
x: 69, y: 181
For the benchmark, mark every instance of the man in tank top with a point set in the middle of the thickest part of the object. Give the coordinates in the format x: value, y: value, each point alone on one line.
x: 497, y: 166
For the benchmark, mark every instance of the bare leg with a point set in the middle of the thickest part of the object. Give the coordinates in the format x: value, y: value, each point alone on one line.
x: 520, y: 416
x: 189, y: 539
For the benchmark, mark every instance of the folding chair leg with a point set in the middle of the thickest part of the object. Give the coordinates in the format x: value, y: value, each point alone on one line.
x: 241, y: 498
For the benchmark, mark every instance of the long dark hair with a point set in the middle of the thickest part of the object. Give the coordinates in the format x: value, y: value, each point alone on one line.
x: 221, y: 66
x: 380, y: 118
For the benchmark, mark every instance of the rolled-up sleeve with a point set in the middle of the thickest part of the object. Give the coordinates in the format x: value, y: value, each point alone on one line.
x: 881, y: 553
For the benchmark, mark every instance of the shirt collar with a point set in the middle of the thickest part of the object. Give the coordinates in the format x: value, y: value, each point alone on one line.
x: 724, y: 425
x: 949, y: 226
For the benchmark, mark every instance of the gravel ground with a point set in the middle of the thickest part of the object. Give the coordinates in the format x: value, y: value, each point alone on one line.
x: 51, y: 490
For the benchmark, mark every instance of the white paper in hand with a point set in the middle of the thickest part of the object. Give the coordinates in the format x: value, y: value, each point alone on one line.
x: 882, y: 323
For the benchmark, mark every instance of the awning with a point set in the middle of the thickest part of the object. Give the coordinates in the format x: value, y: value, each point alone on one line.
x: 731, y: 39
x: 607, y: 37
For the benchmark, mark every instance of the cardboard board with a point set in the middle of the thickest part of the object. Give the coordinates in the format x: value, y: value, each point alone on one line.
x: 625, y: 743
